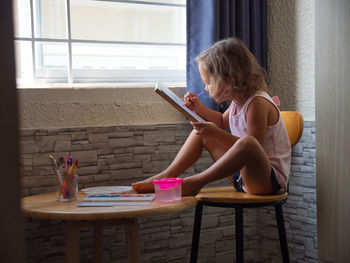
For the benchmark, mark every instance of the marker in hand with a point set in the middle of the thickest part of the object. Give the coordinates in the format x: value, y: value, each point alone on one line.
x: 200, y: 93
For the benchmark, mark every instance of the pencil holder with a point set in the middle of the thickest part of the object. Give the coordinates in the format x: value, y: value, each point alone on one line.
x: 67, y: 190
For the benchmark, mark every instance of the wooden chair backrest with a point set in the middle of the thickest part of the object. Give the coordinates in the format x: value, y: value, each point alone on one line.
x: 294, y: 123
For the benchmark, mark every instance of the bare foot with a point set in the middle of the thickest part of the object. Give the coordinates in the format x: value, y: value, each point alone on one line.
x: 190, y: 187
x: 146, y: 186
x: 143, y: 187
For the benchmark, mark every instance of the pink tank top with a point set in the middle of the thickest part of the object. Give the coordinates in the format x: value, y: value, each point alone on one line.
x: 276, y: 145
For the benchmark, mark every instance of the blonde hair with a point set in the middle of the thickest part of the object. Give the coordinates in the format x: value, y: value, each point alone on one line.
x: 230, y: 59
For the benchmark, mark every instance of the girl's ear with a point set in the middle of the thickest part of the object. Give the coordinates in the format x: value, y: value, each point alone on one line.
x: 226, y: 88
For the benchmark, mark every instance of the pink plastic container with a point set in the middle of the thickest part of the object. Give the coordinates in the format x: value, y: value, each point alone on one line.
x: 168, y: 189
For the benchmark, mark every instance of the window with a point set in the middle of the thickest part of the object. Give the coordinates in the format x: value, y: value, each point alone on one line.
x: 71, y: 41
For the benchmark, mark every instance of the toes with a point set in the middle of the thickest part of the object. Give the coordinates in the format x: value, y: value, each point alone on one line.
x: 143, y: 187
x: 135, y: 187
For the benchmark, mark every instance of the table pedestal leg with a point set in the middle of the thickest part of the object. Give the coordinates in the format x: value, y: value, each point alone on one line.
x: 132, y: 241
x: 97, y: 244
x: 72, y: 242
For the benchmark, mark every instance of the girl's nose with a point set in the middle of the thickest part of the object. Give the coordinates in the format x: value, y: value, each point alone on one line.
x: 206, y: 88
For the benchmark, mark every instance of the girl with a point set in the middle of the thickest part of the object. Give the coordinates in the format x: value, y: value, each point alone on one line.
x: 257, y: 151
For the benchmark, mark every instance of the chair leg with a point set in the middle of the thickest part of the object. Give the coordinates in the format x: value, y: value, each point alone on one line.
x: 196, y: 232
x: 239, y: 235
x: 282, y: 233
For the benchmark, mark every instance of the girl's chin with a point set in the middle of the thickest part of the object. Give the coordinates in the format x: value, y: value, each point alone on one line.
x: 221, y: 100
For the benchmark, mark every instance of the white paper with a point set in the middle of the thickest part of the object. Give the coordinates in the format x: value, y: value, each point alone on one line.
x: 109, y: 204
x: 107, y: 190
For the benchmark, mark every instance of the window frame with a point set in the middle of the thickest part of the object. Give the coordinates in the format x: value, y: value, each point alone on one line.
x: 71, y: 75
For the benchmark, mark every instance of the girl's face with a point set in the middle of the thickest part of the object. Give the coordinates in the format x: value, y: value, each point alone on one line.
x: 206, y: 79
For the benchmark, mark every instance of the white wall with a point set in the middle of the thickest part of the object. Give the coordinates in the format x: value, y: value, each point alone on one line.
x: 97, y: 105
x: 291, y: 54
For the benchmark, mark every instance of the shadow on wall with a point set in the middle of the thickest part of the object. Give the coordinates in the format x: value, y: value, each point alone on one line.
x: 12, y: 247
x: 282, y: 65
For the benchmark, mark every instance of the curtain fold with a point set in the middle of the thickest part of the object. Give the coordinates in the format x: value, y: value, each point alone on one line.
x: 211, y: 20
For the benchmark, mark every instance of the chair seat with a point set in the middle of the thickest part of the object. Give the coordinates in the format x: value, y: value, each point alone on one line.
x: 228, y: 195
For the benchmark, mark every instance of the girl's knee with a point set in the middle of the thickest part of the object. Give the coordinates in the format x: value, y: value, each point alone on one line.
x: 247, y: 142
x: 204, y: 140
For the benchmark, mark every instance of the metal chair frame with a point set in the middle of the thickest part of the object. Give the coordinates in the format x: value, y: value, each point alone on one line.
x: 239, y: 227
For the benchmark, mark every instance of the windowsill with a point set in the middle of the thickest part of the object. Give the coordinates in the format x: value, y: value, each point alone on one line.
x: 94, y: 105
x: 98, y: 85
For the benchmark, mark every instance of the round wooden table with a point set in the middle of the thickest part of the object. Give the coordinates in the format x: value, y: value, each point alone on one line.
x: 45, y: 206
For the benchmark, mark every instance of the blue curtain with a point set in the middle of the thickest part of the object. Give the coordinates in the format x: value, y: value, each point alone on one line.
x: 211, y: 20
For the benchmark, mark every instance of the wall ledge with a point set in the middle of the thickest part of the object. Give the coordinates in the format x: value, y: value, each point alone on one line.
x: 98, y: 105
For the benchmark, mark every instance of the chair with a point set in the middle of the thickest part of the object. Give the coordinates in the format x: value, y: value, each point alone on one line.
x: 227, y: 197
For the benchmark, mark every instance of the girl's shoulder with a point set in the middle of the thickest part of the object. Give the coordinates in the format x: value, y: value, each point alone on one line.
x: 258, y: 97
x: 264, y: 105
x: 257, y: 103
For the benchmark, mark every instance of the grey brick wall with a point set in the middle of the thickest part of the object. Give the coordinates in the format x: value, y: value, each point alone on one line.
x: 125, y: 154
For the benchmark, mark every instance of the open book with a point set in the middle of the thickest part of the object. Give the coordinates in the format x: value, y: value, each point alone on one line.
x: 176, y: 102
x: 113, y: 199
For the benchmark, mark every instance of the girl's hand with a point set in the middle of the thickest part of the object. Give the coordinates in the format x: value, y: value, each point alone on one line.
x: 207, y: 129
x: 192, y: 101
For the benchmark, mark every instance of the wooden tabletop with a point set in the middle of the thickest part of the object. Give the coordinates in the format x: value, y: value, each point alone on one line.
x: 45, y: 206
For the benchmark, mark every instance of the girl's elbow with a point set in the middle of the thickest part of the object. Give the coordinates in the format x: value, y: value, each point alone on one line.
x: 224, y: 125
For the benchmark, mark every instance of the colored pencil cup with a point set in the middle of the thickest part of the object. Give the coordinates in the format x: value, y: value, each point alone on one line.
x: 68, y: 189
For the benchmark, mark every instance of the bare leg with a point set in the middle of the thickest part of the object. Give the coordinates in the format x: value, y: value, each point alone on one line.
x: 247, y: 156
x: 186, y: 157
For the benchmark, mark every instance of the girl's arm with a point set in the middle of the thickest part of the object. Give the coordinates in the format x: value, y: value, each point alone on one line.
x: 194, y: 103
x: 261, y: 114
x: 220, y: 119
x: 212, y: 131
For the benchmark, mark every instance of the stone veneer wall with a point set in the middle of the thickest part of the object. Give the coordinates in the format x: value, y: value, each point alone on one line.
x: 124, y: 154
